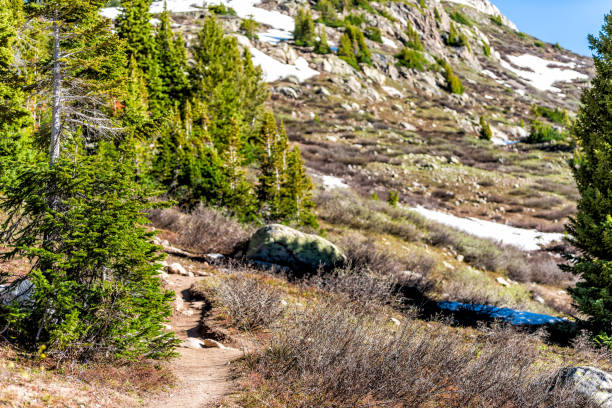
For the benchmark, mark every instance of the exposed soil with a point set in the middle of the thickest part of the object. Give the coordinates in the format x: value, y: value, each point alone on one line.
x: 203, y: 373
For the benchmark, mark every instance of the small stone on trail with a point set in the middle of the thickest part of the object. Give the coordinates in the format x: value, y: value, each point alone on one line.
x: 193, y: 343
x: 395, y: 321
x: 212, y: 344
x: 502, y: 281
x: 178, y: 269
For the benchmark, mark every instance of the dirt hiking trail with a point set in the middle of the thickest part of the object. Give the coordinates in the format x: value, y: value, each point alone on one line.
x: 202, y: 373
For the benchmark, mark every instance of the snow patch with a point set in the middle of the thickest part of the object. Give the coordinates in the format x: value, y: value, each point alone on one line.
x: 243, y: 8
x: 176, y: 6
x: 157, y: 7
x: 392, y: 92
x: 275, y: 36
x: 542, y: 73
x: 274, y: 70
x: 490, y: 74
x: 486, y: 7
x: 332, y: 182
x: 389, y: 42
x: 110, y: 12
x: 525, y: 239
x: 246, y: 8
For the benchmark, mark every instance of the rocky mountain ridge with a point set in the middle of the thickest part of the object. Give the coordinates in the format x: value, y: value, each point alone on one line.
x: 384, y: 126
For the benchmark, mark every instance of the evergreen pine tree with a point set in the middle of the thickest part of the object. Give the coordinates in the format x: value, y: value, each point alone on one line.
x: 321, y: 45
x: 134, y: 26
x: 304, y: 31
x: 225, y: 79
x: 346, y: 51
x: 10, y: 99
x: 94, y: 290
x: 591, y: 229
x: 136, y: 99
x: 172, y: 62
x: 485, y: 129
x: 453, y: 82
x: 239, y: 197
x: 297, y: 191
x: 268, y: 188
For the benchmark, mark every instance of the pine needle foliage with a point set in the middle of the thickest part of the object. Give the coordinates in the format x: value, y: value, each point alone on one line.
x: 591, y: 229
x: 485, y: 129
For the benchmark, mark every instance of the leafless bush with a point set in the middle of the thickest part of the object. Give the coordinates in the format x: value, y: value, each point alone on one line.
x: 332, y: 356
x: 362, y: 254
x: 249, y: 303
x: 365, y: 289
x: 204, y: 230
x: 543, y: 202
x: 559, y: 214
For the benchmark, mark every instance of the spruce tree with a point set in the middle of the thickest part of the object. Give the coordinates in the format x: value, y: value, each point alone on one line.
x: 304, y: 31
x: 239, y: 196
x: 224, y: 78
x: 485, y: 129
x: 134, y: 26
x: 76, y: 214
x: 171, y: 58
x: 268, y: 189
x: 297, y: 191
x: 346, y: 51
x: 11, y: 96
x: 13, y: 114
x: 321, y: 45
x: 591, y: 229
x: 453, y: 83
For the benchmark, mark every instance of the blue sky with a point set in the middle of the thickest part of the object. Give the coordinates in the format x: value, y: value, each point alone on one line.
x: 567, y: 22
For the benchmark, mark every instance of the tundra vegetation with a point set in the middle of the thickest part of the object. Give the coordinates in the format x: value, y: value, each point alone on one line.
x: 113, y: 132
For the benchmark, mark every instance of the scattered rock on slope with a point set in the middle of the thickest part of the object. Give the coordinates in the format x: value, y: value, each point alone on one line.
x: 589, y: 382
x: 280, y: 245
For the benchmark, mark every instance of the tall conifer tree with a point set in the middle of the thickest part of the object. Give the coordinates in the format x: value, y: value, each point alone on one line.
x: 591, y: 229
x: 297, y: 189
x: 172, y: 61
x: 92, y: 290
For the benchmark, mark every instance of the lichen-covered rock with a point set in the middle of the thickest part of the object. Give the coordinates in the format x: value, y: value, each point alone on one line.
x: 588, y: 382
x: 281, y: 245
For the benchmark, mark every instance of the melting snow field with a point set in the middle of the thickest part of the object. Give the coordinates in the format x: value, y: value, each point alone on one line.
x: 274, y: 70
x: 514, y: 317
x: 243, y: 8
x: 541, y: 73
x: 246, y: 8
x: 175, y: 6
x: 331, y: 182
x: 525, y: 239
x: 275, y: 36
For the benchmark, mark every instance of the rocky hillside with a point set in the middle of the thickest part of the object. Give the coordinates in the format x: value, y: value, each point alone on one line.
x: 394, y: 125
x: 386, y: 125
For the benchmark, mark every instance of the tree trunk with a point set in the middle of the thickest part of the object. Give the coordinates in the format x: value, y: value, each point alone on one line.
x: 56, y: 123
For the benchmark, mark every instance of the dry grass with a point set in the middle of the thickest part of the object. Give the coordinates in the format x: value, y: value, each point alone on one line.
x: 26, y: 381
x: 248, y: 303
x: 381, y: 218
x: 204, y: 230
x: 335, y: 355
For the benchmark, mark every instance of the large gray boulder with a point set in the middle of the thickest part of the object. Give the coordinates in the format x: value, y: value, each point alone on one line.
x: 281, y: 245
x: 589, y: 382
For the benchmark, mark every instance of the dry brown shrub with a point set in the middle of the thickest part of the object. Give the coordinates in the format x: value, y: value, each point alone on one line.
x: 334, y: 356
x: 249, y: 303
x: 204, y: 230
x: 363, y: 254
